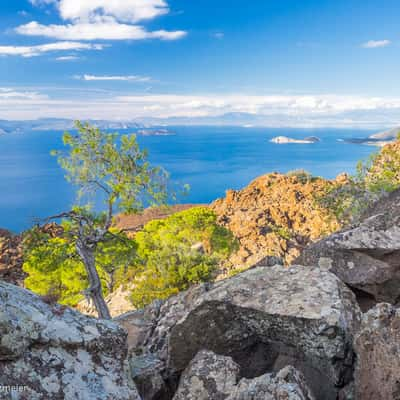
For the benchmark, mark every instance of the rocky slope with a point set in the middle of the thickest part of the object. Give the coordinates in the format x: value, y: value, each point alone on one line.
x: 135, y: 222
x: 272, y: 332
x: 366, y: 256
x: 276, y: 215
x: 11, y: 258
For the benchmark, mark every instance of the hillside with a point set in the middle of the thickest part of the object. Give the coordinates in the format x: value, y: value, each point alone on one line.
x: 276, y: 215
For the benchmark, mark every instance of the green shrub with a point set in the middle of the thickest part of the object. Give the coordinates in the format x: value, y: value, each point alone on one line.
x: 54, y: 267
x: 375, y: 177
x: 302, y: 175
x: 168, y: 256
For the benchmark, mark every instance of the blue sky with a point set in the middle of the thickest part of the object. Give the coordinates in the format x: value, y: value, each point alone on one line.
x: 306, y: 62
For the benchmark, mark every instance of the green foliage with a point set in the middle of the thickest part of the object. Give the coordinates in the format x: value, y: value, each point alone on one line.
x: 375, y: 177
x: 302, y: 175
x: 381, y: 172
x: 54, y: 267
x: 179, y: 251
x: 282, y: 231
x: 113, y: 166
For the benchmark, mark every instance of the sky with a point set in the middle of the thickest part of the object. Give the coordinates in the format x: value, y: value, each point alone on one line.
x: 290, y: 63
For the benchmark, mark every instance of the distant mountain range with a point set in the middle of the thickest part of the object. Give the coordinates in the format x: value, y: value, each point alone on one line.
x: 60, y: 124
x: 229, y: 119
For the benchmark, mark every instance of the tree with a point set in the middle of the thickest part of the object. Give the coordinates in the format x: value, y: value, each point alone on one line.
x: 110, y: 171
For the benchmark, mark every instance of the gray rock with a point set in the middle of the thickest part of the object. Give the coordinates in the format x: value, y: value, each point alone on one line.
x: 53, y: 352
x: 367, y: 256
x: 208, y: 377
x: 377, y: 374
x: 213, y: 377
x: 265, y: 319
x: 146, y: 371
x: 287, y: 384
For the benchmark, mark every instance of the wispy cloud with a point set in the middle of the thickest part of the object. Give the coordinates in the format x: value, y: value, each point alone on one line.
x: 373, y: 44
x: 68, y: 58
x: 130, y: 78
x: 9, y: 93
x: 32, y: 51
x: 102, y: 20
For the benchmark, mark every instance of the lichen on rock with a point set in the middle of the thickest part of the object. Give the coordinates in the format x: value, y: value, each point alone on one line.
x: 54, y: 352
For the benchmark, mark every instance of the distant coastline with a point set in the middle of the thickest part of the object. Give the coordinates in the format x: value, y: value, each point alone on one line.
x: 379, y: 139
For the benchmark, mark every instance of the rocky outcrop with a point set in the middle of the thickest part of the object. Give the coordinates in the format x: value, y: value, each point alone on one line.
x: 264, y: 318
x: 53, y: 352
x: 276, y: 215
x: 366, y: 256
x: 11, y: 258
x: 377, y: 374
x: 213, y: 377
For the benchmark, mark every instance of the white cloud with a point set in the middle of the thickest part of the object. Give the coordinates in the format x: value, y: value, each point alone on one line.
x: 31, y: 51
x: 373, y: 44
x: 131, y: 78
x: 106, y: 29
x: 123, y: 10
x: 67, y: 58
x: 102, y: 19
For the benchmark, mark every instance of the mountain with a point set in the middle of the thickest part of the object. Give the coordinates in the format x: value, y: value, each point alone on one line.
x: 61, y: 124
x: 386, y: 135
x: 377, y: 139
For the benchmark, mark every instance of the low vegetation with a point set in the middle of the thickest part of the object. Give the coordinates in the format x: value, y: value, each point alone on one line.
x: 167, y: 256
x: 375, y: 177
x: 181, y: 250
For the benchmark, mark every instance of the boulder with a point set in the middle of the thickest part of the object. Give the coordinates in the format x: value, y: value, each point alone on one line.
x: 213, y: 377
x: 366, y: 256
x: 377, y: 373
x: 287, y: 384
x: 53, y: 352
x: 208, y: 377
x: 265, y: 319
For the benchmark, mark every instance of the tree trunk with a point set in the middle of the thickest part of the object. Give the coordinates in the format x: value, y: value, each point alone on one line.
x: 87, y: 254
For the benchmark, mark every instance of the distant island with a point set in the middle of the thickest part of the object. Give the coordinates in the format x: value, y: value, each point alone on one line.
x: 379, y: 139
x: 155, y: 132
x: 287, y: 140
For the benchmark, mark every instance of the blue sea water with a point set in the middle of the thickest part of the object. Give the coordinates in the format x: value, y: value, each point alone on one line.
x: 209, y: 159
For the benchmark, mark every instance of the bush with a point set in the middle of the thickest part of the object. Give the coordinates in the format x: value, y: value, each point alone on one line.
x: 55, y: 269
x: 179, y: 251
x: 302, y: 175
x: 375, y: 177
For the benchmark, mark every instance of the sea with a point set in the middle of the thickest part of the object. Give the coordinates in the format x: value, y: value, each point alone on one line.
x: 209, y: 159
